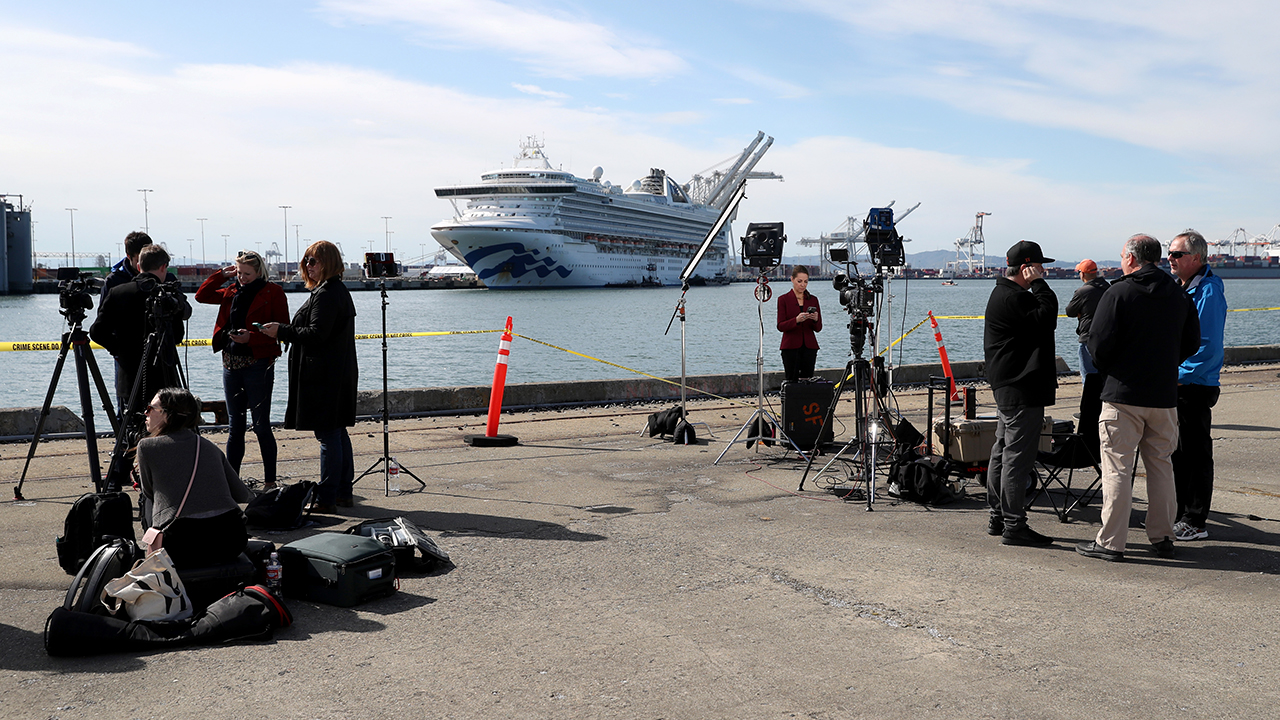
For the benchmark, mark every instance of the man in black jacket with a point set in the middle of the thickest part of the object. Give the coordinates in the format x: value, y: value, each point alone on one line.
x: 1083, y: 304
x: 124, y: 321
x: 1022, y: 313
x: 1145, y: 325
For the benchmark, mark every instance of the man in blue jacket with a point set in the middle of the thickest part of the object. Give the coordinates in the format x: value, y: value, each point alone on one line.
x: 1145, y: 325
x: 1197, y: 386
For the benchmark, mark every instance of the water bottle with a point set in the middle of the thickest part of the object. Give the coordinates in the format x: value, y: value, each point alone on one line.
x: 393, y: 475
x: 274, y: 573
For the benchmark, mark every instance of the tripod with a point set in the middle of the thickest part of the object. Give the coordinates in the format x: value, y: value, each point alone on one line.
x: 864, y: 441
x: 77, y: 341
x: 386, y: 460
x: 761, y: 415
x: 684, y: 383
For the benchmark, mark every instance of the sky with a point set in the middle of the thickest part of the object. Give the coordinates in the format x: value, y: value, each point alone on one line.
x: 1075, y: 124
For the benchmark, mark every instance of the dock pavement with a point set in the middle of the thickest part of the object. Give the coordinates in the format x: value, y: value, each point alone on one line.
x: 601, y: 573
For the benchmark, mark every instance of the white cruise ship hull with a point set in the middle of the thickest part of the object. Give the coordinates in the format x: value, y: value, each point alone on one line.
x: 533, y: 226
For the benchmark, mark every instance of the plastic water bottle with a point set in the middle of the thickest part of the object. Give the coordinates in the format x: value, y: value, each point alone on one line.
x: 275, y: 573
x: 393, y: 475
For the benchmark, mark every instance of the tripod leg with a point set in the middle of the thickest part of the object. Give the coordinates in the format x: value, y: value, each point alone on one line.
x: 826, y: 419
x: 86, y: 407
x: 107, y: 407
x: 44, y: 413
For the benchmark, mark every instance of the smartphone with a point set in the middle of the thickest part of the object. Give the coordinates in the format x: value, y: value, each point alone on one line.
x: 257, y: 326
x: 811, y: 309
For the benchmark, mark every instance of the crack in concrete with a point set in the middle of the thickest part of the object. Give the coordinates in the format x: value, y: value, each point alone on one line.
x: 870, y: 611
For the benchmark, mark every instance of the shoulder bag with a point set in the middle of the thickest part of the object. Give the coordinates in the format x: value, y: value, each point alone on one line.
x: 153, y: 539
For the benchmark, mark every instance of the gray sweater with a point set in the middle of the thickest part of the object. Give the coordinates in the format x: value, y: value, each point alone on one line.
x: 165, y: 464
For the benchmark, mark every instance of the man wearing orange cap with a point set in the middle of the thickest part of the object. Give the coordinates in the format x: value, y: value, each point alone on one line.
x: 1082, y: 306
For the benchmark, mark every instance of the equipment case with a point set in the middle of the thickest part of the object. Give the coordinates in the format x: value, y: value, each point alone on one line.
x: 804, y: 405
x: 971, y: 440
x: 338, y: 569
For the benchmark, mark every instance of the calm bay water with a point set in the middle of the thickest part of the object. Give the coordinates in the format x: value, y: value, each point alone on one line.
x: 622, y: 326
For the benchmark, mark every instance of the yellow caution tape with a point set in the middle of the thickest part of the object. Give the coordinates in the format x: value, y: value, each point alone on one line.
x: 630, y: 370
x: 206, y: 342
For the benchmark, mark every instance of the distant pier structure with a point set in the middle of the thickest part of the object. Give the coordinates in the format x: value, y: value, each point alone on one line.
x: 15, y: 250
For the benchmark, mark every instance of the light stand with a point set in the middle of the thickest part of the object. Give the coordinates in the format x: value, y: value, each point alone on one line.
x: 77, y: 341
x: 684, y: 383
x: 761, y: 415
x: 385, y: 461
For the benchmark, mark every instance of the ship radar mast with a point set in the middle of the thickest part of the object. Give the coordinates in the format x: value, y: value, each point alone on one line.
x: 531, y: 155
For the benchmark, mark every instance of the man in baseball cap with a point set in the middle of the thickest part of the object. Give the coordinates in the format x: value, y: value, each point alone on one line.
x: 1022, y: 313
x: 1082, y: 306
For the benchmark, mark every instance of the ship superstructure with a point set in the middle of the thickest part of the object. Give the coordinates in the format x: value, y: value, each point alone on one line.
x: 533, y: 226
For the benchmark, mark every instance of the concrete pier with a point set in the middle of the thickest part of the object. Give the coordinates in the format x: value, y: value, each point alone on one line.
x: 604, y: 574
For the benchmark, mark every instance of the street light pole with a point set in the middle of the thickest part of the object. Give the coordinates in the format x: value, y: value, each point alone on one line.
x: 191, y: 249
x: 204, y: 257
x: 146, y: 213
x: 285, y: 208
x: 73, y: 235
x: 226, y: 256
x: 297, y: 246
x: 386, y: 223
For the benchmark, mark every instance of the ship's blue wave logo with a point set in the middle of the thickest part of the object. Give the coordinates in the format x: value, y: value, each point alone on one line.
x: 519, y: 264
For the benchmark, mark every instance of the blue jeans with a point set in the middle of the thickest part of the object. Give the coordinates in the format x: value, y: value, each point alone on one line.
x: 248, y: 390
x: 337, y: 466
x: 1086, y: 362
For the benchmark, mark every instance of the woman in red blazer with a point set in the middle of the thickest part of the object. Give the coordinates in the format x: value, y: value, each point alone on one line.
x: 799, y: 317
x: 248, y: 356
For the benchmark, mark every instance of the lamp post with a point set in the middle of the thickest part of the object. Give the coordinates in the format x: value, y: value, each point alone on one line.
x: 73, y: 235
x: 146, y: 214
x: 204, y: 257
x: 285, y: 208
x: 191, y: 249
x: 225, y: 255
x: 386, y: 224
x: 297, y: 245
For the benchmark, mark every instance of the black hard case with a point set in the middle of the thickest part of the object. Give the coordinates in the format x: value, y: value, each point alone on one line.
x: 338, y: 569
x: 804, y: 404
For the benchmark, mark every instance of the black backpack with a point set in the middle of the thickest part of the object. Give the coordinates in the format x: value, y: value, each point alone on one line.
x: 281, y: 508
x: 921, y: 480
x: 108, y: 562
x: 94, y: 518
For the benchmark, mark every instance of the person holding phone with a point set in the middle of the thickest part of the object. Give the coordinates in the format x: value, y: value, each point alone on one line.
x: 1018, y: 346
x: 323, y: 371
x: 245, y: 300
x: 799, y: 318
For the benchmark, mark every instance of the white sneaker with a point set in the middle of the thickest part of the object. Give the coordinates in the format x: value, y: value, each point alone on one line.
x: 1185, y: 531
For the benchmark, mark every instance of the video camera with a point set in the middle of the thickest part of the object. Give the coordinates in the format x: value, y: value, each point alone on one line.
x: 75, y: 292
x: 165, y: 299
x: 858, y: 294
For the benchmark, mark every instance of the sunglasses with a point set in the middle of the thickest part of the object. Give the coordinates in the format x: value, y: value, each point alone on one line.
x: 1175, y: 254
x: 151, y: 408
x: 310, y: 261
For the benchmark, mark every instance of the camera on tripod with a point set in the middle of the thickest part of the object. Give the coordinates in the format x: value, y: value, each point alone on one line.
x: 381, y: 265
x: 165, y: 299
x: 884, y: 244
x: 75, y: 291
x: 857, y: 294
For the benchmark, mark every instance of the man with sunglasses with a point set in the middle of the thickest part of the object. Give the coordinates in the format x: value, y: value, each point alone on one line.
x: 1197, y: 386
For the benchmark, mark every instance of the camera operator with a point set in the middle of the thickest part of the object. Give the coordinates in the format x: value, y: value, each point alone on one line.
x: 799, y: 317
x: 121, y: 273
x: 127, y: 315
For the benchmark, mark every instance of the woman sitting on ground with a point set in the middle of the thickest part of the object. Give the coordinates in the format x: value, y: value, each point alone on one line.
x: 210, y: 529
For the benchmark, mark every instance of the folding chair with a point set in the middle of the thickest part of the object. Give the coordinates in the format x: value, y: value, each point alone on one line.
x: 1057, y: 467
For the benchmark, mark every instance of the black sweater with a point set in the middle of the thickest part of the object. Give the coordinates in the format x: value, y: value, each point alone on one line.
x: 1018, y: 343
x: 1145, y: 325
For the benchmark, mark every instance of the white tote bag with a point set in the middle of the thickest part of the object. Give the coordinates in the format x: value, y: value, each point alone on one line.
x: 152, y: 590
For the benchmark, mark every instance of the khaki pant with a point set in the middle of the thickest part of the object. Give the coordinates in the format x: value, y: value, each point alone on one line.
x: 1124, y: 431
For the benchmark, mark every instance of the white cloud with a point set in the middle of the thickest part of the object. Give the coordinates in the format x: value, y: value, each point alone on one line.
x: 1197, y: 79
x: 732, y: 101
x: 535, y: 90
x: 552, y: 43
x: 778, y: 87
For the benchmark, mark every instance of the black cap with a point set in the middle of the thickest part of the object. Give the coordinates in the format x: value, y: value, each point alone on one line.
x: 1025, y: 252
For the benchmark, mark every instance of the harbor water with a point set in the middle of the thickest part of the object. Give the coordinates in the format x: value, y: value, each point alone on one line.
x: 623, y: 326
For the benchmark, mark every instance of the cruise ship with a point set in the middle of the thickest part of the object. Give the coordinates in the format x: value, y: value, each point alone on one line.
x: 533, y: 226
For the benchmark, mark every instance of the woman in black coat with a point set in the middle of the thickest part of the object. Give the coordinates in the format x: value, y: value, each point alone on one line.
x: 323, y: 371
